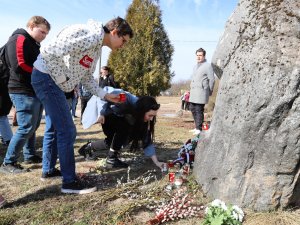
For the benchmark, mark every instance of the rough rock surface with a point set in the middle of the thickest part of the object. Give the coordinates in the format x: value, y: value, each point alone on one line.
x: 250, y: 156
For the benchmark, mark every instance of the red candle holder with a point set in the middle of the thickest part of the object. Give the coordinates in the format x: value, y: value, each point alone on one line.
x: 171, y: 177
x: 205, y: 126
x: 170, y: 164
x: 122, y: 97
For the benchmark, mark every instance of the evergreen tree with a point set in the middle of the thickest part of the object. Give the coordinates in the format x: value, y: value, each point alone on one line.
x: 143, y: 65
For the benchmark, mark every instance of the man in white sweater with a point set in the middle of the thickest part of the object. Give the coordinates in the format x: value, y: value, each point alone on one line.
x: 68, y: 60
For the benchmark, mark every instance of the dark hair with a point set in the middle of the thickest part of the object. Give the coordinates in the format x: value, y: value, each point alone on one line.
x: 123, y: 28
x: 105, y: 68
x: 146, y: 103
x: 201, y: 50
x: 143, y: 105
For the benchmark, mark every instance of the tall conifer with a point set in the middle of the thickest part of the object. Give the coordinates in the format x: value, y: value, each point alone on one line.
x: 143, y: 65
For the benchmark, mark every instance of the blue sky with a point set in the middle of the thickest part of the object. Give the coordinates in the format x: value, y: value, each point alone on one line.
x: 190, y: 24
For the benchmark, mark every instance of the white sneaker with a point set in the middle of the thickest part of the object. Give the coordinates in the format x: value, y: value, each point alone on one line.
x: 197, y: 132
x: 192, y: 131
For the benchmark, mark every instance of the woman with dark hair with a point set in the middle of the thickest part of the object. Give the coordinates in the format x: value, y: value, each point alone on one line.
x: 132, y: 121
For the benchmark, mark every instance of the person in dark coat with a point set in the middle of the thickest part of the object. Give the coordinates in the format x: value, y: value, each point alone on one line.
x: 5, y: 107
x: 130, y: 122
x: 106, y: 79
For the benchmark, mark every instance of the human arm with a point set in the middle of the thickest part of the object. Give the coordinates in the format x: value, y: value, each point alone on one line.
x: 101, y: 119
x: 21, y: 53
x: 72, y: 41
x: 157, y: 163
x: 211, y: 78
x: 149, y: 151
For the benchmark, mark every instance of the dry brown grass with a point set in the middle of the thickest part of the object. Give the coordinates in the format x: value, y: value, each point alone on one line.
x: 31, y: 201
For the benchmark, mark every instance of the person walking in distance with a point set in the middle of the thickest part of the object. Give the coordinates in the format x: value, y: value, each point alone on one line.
x: 201, y: 87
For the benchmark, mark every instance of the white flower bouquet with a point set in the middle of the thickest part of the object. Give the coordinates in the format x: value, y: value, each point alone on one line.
x: 217, y: 213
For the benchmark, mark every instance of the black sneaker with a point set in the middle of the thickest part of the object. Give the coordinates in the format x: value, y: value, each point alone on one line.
x: 5, y: 143
x: 78, y: 187
x: 13, y: 168
x: 33, y: 159
x: 54, y: 174
x: 115, y: 163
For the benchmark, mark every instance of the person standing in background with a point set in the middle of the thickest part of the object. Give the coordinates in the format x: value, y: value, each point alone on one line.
x: 85, y: 96
x: 106, y: 79
x: 201, y: 88
x: 22, y: 50
x: 182, y: 98
x: 75, y: 101
x: 187, y: 100
x: 5, y: 107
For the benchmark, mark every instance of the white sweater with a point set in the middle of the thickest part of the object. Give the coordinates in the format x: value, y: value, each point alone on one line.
x: 71, y: 57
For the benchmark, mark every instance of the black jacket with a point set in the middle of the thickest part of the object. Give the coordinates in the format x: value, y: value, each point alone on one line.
x: 108, y: 81
x: 22, y: 51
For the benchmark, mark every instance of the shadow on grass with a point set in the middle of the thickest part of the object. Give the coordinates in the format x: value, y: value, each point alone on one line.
x: 86, y: 133
x: 42, y: 194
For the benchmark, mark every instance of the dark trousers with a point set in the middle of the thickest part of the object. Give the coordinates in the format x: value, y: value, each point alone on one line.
x: 84, y: 101
x: 198, y: 114
x: 183, y: 105
x: 187, y: 106
x: 116, y: 130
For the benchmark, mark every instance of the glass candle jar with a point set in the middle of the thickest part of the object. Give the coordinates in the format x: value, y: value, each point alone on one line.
x: 178, y: 179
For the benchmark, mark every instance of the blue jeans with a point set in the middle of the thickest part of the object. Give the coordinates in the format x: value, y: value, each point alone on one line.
x: 5, y: 129
x: 62, y: 126
x: 29, y: 113
x: 49, y: 147
x: 74, y: 104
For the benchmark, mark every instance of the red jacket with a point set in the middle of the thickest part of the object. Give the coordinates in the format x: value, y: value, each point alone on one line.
x: 22, y: 51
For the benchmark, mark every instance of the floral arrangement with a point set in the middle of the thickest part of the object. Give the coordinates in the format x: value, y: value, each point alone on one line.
x: 217, y: 213
x: 186, y: 153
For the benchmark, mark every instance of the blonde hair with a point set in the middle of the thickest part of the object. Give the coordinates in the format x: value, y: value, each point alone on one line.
x: 37, y: 20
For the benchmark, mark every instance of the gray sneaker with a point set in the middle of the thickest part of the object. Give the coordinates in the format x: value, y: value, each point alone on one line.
x: 13, y: 168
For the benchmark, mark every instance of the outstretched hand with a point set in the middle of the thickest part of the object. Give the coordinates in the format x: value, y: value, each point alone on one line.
x: 161, y: 165
x: 101, y: 119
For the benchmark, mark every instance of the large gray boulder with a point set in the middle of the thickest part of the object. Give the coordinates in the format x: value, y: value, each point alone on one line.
x: 250, y: 155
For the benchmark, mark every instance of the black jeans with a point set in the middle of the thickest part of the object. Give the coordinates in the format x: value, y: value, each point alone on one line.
x: 183, y: 104
x: 198, y: 114
x: 84, y: 100
x: 116, y: 130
